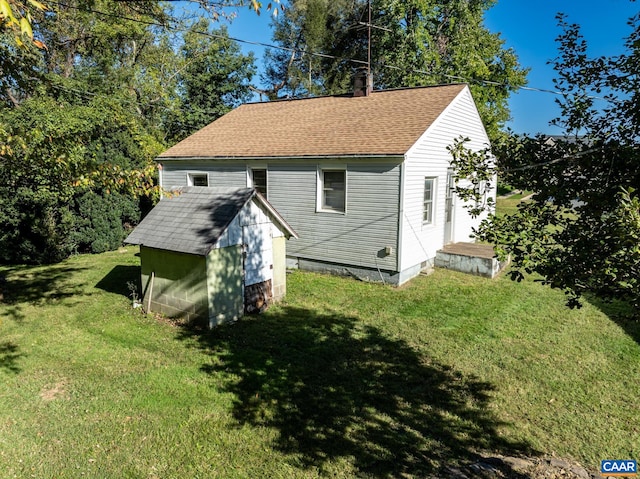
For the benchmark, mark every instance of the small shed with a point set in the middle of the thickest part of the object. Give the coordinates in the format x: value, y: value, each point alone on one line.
x: 213, y: 254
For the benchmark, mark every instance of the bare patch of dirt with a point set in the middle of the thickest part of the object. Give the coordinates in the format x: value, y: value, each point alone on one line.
x: 55, y: 391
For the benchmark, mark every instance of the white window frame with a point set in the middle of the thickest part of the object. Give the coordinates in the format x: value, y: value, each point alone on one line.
x: 191, y: 177
x: 250, y: 182
x: 429, y: 202
x: 320, y: 200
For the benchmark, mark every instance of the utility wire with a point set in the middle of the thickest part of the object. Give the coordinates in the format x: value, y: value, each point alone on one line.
x: 209, y: 34
x: 573, y: 156
x: 166, y: 26
x: 312, y: 53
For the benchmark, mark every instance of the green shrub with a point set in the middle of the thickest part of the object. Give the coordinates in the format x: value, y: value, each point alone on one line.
x: 38, y: 227
x: 34, y: 227
x: 102, y: 221
x: 504, y: 188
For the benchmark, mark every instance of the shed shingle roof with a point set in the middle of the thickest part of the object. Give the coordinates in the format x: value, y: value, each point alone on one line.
x: 194, y: 218
x: 387, y: 122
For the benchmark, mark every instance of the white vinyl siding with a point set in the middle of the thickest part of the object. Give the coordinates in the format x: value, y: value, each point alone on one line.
x: 428, y: 201
x: 429, y: 158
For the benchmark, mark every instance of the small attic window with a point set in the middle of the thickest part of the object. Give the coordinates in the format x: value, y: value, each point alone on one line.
x: 197, y: 179
x: 259, y: 180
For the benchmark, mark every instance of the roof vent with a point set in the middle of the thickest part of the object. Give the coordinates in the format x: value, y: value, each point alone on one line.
x: 362, y: 83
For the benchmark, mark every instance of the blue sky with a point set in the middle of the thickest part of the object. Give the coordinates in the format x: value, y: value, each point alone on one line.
x: 530, y: 28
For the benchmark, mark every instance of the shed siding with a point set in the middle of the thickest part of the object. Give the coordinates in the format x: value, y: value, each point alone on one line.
x: 251, y: 215
x: 224, y: 282
x: 179, y: 285
x: 232, y: 235
x: 257, y: 233
x: 429, y: 158
x: 358, y: 237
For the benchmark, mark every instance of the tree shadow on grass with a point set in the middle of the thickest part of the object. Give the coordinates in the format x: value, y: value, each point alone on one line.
x: 21, y: 285
x: 9, y: 356
x: 621, y: 313
x: 334, y: 388
x: 117, y: 280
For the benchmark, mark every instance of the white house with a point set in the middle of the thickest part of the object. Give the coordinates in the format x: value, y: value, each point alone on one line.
x: 364, y: 179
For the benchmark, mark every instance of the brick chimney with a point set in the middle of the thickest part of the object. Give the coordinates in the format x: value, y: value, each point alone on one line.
x: 362, y: 83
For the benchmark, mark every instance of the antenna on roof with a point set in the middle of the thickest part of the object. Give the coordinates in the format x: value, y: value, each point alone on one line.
x: 369, y: 41
x: 363, y: 80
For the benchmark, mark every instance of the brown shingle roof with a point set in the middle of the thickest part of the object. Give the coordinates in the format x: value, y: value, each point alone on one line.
x: 387, y: 122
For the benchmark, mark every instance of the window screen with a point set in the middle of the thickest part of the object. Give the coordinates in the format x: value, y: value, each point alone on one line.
x: 427, y: 215
x: 333, y: 190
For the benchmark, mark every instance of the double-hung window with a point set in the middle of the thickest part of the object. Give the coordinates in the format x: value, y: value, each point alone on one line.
x: 332, y: 190
x: 428, y: 201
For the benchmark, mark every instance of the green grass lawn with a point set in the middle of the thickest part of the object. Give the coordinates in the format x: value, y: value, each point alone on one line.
x: 343, y: 379
x: 509, y: 205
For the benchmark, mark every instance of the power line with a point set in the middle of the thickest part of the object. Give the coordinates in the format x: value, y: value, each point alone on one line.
x: 315, y: 54
x: 570, y: 157
x: 209, y: 34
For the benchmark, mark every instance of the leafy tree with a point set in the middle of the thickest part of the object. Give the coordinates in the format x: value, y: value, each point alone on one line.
x: 34, y: 226
x: 581, y: 230
x: 82, y: 120
x: 214, y: 78
x: 17, y: 17
x: 51, y: 152
x: 70, y: 121
x: 415, y: 42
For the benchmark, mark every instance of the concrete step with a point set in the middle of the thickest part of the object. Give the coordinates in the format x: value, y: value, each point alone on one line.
x: 472, y: 258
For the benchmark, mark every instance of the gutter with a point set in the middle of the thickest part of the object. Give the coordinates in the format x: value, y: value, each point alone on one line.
x: 381, y: 156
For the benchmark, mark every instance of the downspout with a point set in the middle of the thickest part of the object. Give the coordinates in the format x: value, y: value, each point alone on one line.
x: 403, y: 168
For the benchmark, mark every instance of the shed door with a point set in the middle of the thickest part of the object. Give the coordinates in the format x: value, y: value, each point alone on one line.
x: 448, y: 208
x: 258, y: 264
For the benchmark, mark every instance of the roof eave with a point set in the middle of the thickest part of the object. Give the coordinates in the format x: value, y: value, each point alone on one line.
x: 170, y: 250
x: 286, y: 227
x: 286, y: 157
